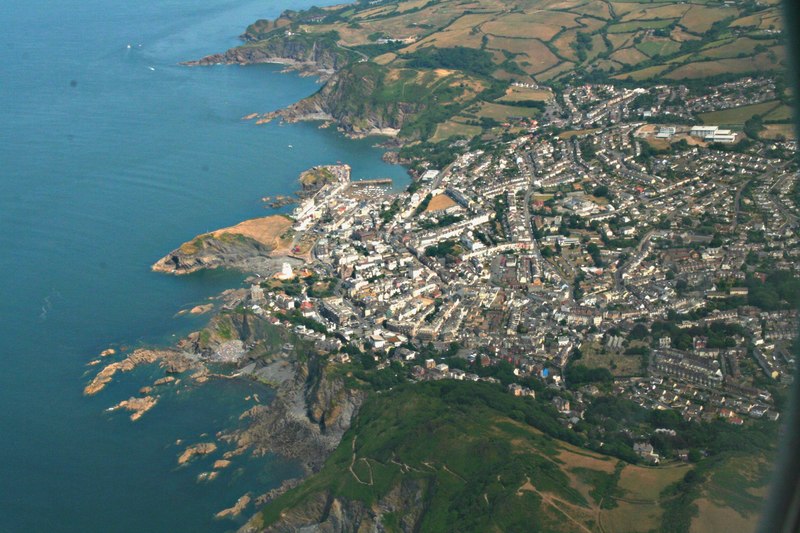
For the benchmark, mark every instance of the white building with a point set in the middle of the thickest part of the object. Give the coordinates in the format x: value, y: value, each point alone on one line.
x: 713, y: 134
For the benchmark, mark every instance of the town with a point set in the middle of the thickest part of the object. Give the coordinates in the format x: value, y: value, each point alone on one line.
x: 620, y: 248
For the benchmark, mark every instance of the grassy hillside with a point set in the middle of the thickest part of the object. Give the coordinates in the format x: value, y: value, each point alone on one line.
x: 410, y: 99
x: 434, y: 65
x: 454, y: 456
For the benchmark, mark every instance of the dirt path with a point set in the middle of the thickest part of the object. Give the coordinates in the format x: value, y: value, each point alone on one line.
x: 551, y: 500
x: 353, y: 462
x: 403, y: 466
x: 451, y: 472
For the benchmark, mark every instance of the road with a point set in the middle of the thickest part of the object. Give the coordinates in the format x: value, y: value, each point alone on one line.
x: 791, y: 218
x: 737, y: 204
x: 618, y: 285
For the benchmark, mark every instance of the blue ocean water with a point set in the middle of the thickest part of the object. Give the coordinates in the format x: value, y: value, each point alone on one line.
x: 111, y: 156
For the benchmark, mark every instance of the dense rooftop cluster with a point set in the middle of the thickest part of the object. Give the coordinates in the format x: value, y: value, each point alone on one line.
x: 628, y: 258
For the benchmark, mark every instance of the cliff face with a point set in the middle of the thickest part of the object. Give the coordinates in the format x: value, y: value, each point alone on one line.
x: 312, y: 409
x: 308, y: 417
x: 318, y: 53
x: 352, y: 97
x: 234, y: 247
x: 325, y: 513
x: 210, y: 252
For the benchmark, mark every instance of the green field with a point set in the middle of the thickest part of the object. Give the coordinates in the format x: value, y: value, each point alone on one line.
x: 733, y: 494
x: 661, y: 48
x: 451, y: 128
x: 597, y: 356
x: 782, y: 112
x: 778, y: 131
x: 643, y: 74
x: 737, y: 116
x: 502, y: 112
x: 524, y: 93
x: 637, y: 25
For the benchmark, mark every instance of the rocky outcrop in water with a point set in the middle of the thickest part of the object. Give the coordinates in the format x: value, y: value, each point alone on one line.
x: 137, y: 406
x: 203, y: 448
x: 135, y: 359
x: 236, y: 510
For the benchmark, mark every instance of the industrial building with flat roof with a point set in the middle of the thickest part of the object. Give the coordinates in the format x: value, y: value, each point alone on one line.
x: 713, y: 134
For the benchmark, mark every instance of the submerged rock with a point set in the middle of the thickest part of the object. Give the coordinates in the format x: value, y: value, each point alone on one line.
x: 207, y: 476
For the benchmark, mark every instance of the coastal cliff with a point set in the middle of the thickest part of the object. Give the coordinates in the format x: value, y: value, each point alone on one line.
x: 365, y: 98
x: 348, y: 96
x: 239, y: 246
x: 308, y: 417
x: 352, y: 98
x: 313, y: 407
x: 325, y: 512
x: 313, y: 54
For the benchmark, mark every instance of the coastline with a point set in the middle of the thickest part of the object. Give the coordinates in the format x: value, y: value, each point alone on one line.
x: 311, y: 410
x: 105, y: 176
x: 303, y: 423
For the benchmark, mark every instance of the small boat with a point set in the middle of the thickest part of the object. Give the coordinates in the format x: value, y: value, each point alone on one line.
x: 152, y: 68
x: 290, y: 146
x: 129, y: 46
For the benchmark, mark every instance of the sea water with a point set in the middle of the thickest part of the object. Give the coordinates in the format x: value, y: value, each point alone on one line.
x: 111, y: 155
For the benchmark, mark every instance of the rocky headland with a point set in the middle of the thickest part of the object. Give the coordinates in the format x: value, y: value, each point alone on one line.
x: 305, y: 422
x: 348, y: 100
x: 251, y: 245
x: 312, y: 55
x: 350, y: 83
